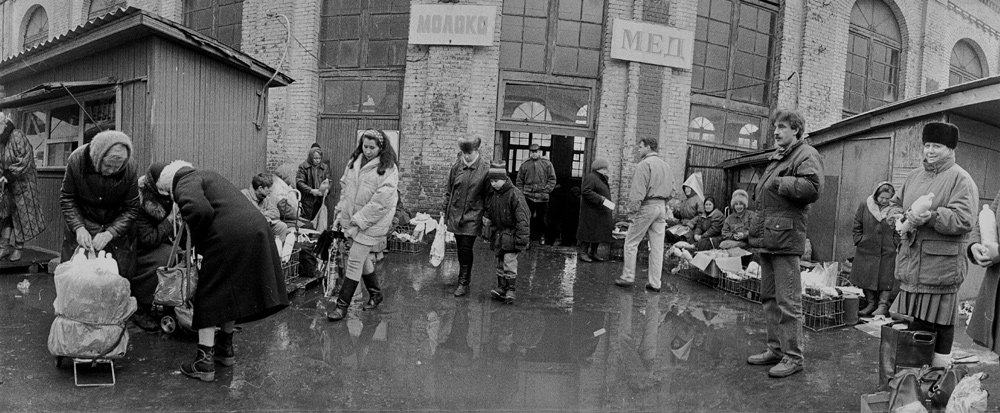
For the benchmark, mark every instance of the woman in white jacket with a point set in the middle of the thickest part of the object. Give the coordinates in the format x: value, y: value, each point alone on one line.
x: 367, y: 204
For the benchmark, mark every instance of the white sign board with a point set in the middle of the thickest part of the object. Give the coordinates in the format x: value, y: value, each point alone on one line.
x: 652, y: 43
x: 453, y: 25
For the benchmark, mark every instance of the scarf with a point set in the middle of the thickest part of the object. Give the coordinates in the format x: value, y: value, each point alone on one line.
x: 165, y: 182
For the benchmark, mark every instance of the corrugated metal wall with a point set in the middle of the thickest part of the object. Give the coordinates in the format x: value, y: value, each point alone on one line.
x: 203, y: 111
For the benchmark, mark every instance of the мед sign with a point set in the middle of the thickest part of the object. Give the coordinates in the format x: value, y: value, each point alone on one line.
x: 652, y: 43
x: 454, y: 25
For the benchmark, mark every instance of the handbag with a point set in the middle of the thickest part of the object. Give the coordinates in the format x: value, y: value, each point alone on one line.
x: 931, y: 387
x: 178, y: 280
x: 903, y: 348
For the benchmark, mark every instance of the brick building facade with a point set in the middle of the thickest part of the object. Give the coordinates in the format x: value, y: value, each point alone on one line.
x: 353, y: 70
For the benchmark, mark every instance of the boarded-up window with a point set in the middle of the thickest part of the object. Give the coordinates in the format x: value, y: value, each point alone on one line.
x: 364, y: 33
x: 99, y: 8
x: 966, y: 65
x: 219, y: 19
x: 36, y: 27
x: 874, y: 45
x: 552, y: 36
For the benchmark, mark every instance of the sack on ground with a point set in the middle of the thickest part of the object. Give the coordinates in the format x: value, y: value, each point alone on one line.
x: 92, y: 303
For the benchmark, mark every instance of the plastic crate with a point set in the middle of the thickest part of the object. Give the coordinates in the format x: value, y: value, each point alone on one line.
x: 823, y: 314
x: 730, y: 286
x: 398, y: 245
x: 751, y: 290
x: 290, y: 269
x: 451, y: 247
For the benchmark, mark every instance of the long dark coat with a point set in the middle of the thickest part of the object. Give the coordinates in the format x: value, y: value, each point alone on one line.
x: 466, y: 197
x: 874, y: 265
x: 596, y: 221
x: 17, y: 161
x: 240, y: 277
x: 983, y: 326
x: 310, y: 177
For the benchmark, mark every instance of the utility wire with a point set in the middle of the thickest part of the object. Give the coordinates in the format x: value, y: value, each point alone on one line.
x: 709, y: 92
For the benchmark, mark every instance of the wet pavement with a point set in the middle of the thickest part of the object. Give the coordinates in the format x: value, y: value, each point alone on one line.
x: 571, y: 342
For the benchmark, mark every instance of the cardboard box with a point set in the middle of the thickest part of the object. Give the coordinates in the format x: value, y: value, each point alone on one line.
x: 875, y: 402
x: 714, y: 262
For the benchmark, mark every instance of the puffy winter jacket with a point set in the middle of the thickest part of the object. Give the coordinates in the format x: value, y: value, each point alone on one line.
x: 509, y: 219
x: 710, y: 226
x: 536, y: 179
x: 791, y: 182
x: 367, y: 201
x: 932, y: 258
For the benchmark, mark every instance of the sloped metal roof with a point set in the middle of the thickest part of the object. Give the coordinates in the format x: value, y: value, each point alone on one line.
x: 126, y: 24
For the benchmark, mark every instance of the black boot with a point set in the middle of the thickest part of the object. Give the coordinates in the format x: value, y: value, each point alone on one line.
x: 509, y: 297
x: 464, y: 273
x: 499, y: 292
x: 343, y: 300
x: 374, y: 293
x: 223, y: 349
x: 593, y: 252
x: 202, y: 368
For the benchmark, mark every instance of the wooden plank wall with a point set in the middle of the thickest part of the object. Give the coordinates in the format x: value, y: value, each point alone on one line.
x: 202, y: 111
x: 705, y: 159
x: 338, y: 136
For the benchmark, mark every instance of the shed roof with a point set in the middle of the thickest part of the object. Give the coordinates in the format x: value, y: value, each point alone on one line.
x: 121, y: 26
x: 978, y: 100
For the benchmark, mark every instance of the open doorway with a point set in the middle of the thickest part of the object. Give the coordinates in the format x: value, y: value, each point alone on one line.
x: 568, y: 155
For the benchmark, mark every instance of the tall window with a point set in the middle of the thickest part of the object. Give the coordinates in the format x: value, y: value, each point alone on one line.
x: 552, y: 36
x: 732, y: 77
x: 364, y: 33
x: 966, y: 65
x: 219, y: 19
x: 873, y: 57
x: 99, y: 8
x: 36, y: 28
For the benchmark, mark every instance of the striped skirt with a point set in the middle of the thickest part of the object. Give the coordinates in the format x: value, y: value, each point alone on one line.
x: 933, y: 308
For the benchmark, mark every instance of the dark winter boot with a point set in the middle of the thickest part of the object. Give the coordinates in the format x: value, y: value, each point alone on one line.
x: 374, y: 293
x: 343, y: 300
x: 464, y: 273
x: 509, y: 297
x: 583, y: 253
x: 202, y: 368
x: 223, y: 349
x: 499, y: 292
x: 871, y: 296
x: 883, y: 303
x: 593, y: 252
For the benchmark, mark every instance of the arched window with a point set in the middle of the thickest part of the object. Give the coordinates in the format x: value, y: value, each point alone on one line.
x: 36, y: 28
x: 701, y: 129
x: 532, y: 111
x: 99, y: 8
x: 965, y: 64
x: 873, y: 57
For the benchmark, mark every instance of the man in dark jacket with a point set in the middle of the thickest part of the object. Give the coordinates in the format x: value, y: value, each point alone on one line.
x: 507, y: 214
x: 791, y: 182
x: 536, y: 179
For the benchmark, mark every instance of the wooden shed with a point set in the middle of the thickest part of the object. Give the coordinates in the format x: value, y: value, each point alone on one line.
x: 884, y: 145
x: 176, y: 93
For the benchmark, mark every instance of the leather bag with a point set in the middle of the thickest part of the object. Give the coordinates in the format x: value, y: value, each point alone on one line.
x: 901, y: 349
x: 178, y: 280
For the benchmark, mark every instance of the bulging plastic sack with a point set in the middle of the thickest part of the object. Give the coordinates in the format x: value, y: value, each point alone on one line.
x: 92, y: 303
x: 437, y: 247
x: 969, y: 396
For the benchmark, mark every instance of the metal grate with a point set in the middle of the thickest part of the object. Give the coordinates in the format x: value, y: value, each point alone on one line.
x: 823, y: 314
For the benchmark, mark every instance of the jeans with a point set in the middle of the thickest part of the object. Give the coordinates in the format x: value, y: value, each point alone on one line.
x: 538, y: 212
x: 781, y: 296
x: 507, y: 264
x: 651, y: 220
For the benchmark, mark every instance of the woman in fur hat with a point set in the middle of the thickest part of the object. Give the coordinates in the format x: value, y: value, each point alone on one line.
x: 240, y: 279
x: 100, y: 199
x: 736, y: 227
x: 596, y: 220
x: 20, y: 212
x: 875, y: 241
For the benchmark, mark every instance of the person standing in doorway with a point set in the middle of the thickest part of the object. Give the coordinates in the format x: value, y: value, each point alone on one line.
x: 791, y: 182
x: 647, y: 204
x: 467, y: 189
x: 536, y: 179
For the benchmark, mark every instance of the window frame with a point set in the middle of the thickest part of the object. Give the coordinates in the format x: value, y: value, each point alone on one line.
x: 961, y: 72
x: 874, y: 39
x: 366, y: 14
x: 48, y: 105
x: 551, y: 44
x: 36, y: 38
x: 187, y: 12
x: 361, y: 80
x: 551, y: 128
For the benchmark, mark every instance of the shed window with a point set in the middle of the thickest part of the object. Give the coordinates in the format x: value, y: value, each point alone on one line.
x: 874, y: 46
x: 966, y: 65
x: 56, y: 130
x: 36, y: 28
x: 734, y: 50
x: 552, y: 36
x: 99, y: 8
x: 219, y: 19
x: 364, y: 33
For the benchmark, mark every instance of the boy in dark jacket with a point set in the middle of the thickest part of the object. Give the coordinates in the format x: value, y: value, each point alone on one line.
x: 507, y: 217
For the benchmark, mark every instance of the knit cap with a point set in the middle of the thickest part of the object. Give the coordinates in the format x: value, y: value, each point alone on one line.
x: 497, y: 171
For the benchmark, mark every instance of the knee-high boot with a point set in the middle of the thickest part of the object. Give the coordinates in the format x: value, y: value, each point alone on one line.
x: 871, y: 296
x: 464, y: 274
x: 343, y: 300
x: 884, y: 299
x: 509, y: 297
x: 374, y: 292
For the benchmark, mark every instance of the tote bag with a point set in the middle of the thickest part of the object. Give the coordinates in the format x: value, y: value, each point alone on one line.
x: 177, y: 280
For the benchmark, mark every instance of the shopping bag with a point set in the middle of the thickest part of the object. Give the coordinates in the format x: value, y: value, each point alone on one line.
x: 969, y: 396
x: 322, y: 220
x: 901, y: 349
x: 437, y: 247
x: 177, y: 281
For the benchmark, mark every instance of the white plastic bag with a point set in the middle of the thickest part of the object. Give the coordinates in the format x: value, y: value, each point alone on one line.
x: 969, y: 396
x: 437, y: 247
x: 92, y: 303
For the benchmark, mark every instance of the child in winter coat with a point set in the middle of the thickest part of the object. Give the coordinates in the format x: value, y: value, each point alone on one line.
x: 508, y: 219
